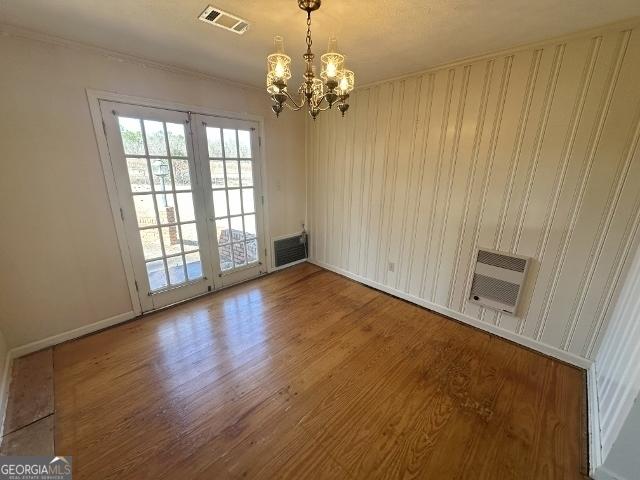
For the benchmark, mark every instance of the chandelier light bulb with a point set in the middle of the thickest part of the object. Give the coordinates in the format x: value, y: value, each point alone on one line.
x: 332, y: 70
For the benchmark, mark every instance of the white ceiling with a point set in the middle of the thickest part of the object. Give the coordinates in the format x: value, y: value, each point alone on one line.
x: 381, y: 38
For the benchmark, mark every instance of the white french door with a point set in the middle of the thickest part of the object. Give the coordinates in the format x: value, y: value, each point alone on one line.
x: 233, y: 198
x: 188, y: 189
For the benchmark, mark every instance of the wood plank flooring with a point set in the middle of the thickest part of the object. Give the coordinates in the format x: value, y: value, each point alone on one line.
x: 306, y: 374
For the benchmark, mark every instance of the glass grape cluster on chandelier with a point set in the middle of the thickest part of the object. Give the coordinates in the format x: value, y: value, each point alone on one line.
x: 319, y: 94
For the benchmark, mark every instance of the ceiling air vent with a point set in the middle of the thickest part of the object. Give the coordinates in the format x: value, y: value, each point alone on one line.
x: 222, y: 19
x: 498, y: 279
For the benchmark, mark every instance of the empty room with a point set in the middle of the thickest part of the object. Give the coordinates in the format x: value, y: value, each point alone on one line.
x: 320, y: 239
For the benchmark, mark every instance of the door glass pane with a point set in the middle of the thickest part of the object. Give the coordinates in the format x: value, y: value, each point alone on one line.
x: 247, y: 200
x: 239, y: 257
x: 156, y: 142
x: 177, y: 142
x: 217, y: 173
x: 181, y: 176
x: 175, y: 265
x: 232, y: 202
x: 138, y: 174
x: 244, y: 143
x: 230, y: 145
x: 235, y: 207
x: 185, y: 207
x: 226, y: 260
x: 156, y: 274
x: 161, y: 174
x: 237, y: 231
x: 220, y: 203
x: 222, y: 230
x: 151, y: 246
x: 189, y: 237
x: 131, y: 134
x: 166, y: 208
x: 250, y: 226
x: 246, y: 172
x: 233, y: 175
x: 145, y: 210
x: 170, y: 205
x: 194, y: 266
x: 171, y: 239
x: 214, y: 143
x: 252, y: 251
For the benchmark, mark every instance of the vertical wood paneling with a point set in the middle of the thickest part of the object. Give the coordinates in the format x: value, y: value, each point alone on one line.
x: 399, y: 155
x: 372, y: 133
x: 448, y: 193
x: 404, y: 158
x: 618, y: 376
x: 471, y: 177
x: 430, y: 173
x: 415, y: 180
x: 428, y: 211
x: 352, y: 238
x: 451, y: 136
x: 533, y: 152
x: 488, y: 170
x: 350, y: 146
x: 553, y: 298
x: 548, y: 212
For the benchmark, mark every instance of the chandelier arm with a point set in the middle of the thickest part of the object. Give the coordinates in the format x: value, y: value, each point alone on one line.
x: 297, y: 107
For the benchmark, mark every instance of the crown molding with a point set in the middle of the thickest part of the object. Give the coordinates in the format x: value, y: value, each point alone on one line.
x: 8, y: 30
x: 626, y: 24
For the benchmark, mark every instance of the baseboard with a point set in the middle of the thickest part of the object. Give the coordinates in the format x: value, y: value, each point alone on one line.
x: 4, y: 389
x: 595, y: 447
x: 501, y: 332
x: 70, y: 335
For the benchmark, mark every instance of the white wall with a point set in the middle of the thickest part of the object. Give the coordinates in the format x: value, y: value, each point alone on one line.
x: 618, y: 381
x: 60, y: 263
x: 533, y: 151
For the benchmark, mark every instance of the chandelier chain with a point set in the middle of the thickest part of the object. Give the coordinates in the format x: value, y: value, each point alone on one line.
x: 309, y: 40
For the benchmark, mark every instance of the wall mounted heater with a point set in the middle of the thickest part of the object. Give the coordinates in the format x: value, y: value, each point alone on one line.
x: 289, y: 250
x: 498, y: 279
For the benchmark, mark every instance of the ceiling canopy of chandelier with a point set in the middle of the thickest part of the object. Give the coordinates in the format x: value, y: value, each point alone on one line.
x: 319, y: 94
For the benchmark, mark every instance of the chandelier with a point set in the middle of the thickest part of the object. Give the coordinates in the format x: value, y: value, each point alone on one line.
x: 319, y: 94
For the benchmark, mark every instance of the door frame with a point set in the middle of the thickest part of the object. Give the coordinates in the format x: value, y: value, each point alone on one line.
x: 94, y: 97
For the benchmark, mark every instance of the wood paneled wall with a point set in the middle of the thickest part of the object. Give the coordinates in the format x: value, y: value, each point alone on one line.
x: 618, y: 361
x: 534, y: 151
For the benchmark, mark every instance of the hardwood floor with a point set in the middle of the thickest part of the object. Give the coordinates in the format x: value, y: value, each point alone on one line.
x: 306, y: 374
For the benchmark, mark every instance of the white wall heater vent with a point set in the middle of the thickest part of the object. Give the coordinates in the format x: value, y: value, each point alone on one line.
x: 222, y: 19
x: 498, y: 279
